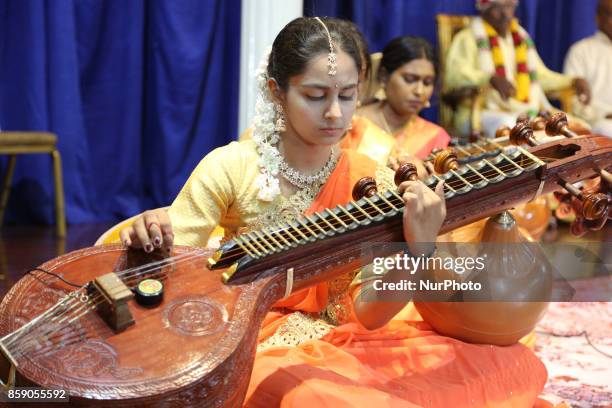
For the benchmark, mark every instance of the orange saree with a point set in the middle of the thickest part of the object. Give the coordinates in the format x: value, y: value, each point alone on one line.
x: 419, y: 137
x: 368, y: 139
x: 403, y: 364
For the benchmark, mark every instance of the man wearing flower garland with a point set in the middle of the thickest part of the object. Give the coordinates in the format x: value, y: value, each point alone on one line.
x: 496, y: 54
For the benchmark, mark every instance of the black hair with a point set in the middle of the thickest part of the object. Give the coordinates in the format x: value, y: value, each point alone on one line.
x: 402, y: 50
x: 362, y: 43
x: 600, y: 7
x: 303, y: 39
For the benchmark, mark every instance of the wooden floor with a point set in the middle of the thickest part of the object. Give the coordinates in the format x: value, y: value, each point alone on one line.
x: 25, y: 247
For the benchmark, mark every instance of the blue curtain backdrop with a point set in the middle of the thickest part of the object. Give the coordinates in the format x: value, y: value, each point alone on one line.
x: 137, y: 91
x: 554, y: 24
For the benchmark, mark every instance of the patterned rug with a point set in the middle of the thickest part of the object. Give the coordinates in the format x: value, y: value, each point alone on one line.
x: 574, y: 340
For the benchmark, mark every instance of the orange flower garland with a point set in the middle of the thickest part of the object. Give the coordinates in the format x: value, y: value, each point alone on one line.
x: 521, y: 48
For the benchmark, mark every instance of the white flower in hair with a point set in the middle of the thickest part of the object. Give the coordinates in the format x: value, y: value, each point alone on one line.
x: 269, y: 187
x: 265, y: 136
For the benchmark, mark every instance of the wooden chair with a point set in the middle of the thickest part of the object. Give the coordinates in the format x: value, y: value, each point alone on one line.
x: 14, y: 143
x: 447, y: 27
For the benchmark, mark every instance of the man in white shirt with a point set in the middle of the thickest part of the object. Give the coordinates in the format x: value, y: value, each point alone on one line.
x: 591, y: 59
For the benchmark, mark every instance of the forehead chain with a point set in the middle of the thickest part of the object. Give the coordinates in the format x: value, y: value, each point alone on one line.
x: 331, y: 57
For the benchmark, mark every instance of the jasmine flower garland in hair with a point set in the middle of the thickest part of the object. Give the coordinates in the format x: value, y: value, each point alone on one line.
x: 265, y: 136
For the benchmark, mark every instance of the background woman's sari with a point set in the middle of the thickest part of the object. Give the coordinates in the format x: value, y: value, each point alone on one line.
x: 419, y: 137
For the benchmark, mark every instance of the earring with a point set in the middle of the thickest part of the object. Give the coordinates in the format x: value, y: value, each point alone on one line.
x: 350, y: 126
x: 427, y: 104
x: 279, y: 126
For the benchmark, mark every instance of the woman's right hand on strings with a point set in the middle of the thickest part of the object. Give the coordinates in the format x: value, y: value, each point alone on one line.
x: 151, y: 229
x: 424, y: 213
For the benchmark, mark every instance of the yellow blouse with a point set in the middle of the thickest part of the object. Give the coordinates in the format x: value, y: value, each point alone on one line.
x: 222, y: 191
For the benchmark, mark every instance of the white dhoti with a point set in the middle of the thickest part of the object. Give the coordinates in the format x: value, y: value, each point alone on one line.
x: 603, y: 127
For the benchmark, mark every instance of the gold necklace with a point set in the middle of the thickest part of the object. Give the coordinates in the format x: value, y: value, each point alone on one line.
x: 384, y: 119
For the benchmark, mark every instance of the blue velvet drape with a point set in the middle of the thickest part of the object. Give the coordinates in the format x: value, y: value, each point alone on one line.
x: 137, y: 91
x: 554, y: 24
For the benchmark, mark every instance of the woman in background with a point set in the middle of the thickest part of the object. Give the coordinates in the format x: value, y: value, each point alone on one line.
x: 407, y: 73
